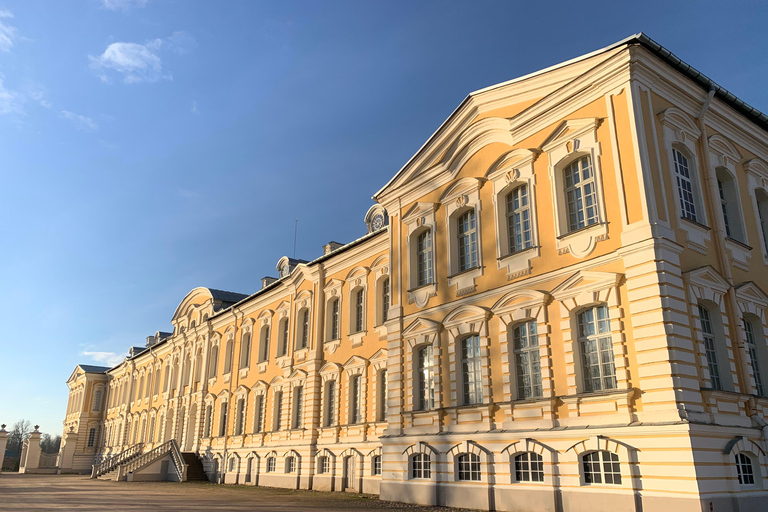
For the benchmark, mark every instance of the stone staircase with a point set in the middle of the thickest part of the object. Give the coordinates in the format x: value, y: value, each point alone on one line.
x: 121, y: 466
x: 195, y: 471
x: 107, y: 469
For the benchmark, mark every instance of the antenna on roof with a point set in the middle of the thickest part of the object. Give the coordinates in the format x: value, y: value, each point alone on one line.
x: 295, y: 234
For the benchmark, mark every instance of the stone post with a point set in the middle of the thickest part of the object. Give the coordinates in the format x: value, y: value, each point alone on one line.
x: 30, y: 455
x: 67, y: 451
x: 3, y: 442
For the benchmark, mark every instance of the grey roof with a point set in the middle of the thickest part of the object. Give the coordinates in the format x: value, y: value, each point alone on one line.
x: 227, y: 296
x: 89, y: 368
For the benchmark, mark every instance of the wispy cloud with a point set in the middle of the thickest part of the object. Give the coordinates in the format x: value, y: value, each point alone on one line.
x: 138, y: 62
x: 194, y: 108
x: 79, y: 121
x: 123, y: 5
x: 7, y: 31
x: 10, y: 101
x: 37, y: 93
x: 108, y: 358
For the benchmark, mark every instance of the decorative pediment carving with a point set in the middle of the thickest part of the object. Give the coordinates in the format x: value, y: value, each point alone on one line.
x: 707, y: 277
x: 758, y: 167
x: 419, y: 210
x: 569, y: 131
x: 461, y: 188
x: 724, y: 149
x: 510, y: 163
x: 586, y: 281
x: 680, y: 122
x: 355, y: 362
x: 421, y: 326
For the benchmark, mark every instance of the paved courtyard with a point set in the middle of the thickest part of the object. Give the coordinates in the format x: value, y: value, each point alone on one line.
x: 74, y: 492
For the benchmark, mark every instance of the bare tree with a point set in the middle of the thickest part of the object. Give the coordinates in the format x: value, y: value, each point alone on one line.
x: 50, y: 444
x: 20, y: 431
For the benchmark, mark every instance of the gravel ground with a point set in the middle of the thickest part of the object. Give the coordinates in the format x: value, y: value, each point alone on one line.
x: 76, y: 492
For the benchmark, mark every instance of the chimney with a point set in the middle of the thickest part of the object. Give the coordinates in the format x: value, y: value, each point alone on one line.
x: 266, y: 281
x: 330, y: 247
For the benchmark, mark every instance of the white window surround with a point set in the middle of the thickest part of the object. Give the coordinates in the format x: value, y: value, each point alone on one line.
x: 751, y: 449
x: 356, y: 366
x: 573, y: 456
x: 757, y: 178
x: 681, y: 133
x: 332, y: 291
x: 380, y: 271
x: 460, y: 197
x: 260, y: 389
x: 247, y: 328
x: 420, y: 216
x: 509, y: 172
x: 753, y: 303
x: 571, y: 140
x: 264, y: 320
x: 331, y: 372
x: 467, y: 447
x: 423, y: 448
x: 303, y: 302
x: 357, y: 279
x: 529, y: 446
x: 422, y: 332
x: 379, y: 364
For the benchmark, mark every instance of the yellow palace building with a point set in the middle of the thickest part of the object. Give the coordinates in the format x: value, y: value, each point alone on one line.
x: 559, y: 305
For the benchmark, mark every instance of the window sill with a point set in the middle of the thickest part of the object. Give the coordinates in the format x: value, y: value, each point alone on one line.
x: 698, y: 235
x: 465, y: 281
x: 581, y: 242
x: 580, y: 230
x: 518, y: 264
x: 695, y: 223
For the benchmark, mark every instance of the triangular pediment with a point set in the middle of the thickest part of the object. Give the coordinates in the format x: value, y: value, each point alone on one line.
x: 569, y: 130
x: 519, y: 299
x: 355, y: 361
x: 418, y: 210
x: 585, y: 280
x: 749, y: 291
x: 420, y: 326
x: 75, y: 374
x: 379, y: 355
x: 330, y: 368
x: 465, y: 314
x: 297, y: 375
x: 707, y: 277
x: 260, y: 385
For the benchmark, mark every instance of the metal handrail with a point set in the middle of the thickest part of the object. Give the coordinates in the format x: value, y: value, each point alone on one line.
x: 162, y: 450
x: 114, y: 461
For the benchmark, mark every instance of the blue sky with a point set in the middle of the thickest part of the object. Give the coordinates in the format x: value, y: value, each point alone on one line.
x: 153, y: 146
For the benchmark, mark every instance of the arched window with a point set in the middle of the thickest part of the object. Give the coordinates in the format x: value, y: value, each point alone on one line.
x: 232, y: 464
x: 710, y: 347
x: 245, y: 350
x: 290, y: 464
x: 472, y: 379
x: 466, y: 232
x: 271, y: 465
x: 729, y: 204
x: 158, y: 371
x: 92, y: 437
x: 424, y: 258
x: 97, y: 399
x: 167, y: 379
x: 330, y: 403
x: 208, y: 420
x: 140, y: 391
x: 685, y: 188
x: 323, y: 465
x: 596, y: 345
x: 601, y: 467
x: 264, y: 344
x: 468, y: 467
x: 580, y: 194
x: 743, y: 469
x: 376, y: 465
x: 333, y: 319
x: 228, y: 356
x: 284, y: 337
x: 304, y: 326
x: 421, y: 466
x: 355, y: 396
x: 425, y: 383
x: 359, y: 311
x: 213, y: 361
x: 384, y: 300
x: 518, y: 219
x: 527, y: 360
x: 529, y: 467
x: 198, y: 368
x: 298, y: 407
x: 258, y: 413
x: 762, y: 212
x: 754, y: 357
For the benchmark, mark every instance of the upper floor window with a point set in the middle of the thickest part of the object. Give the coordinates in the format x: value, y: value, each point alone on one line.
x: 424, y: 258
x: 359, y: 311
x: 754, y: 358
x: 208, y: 420
x: 284, y: 337
x: 91, y: 438
x: 518, y: 219
x: 601, y: 467
x: 245, y: 350
x: 685, y: 188
x: 304, y: 326
x: 425, y: 382
x: 330, y: 403
x: 466, y: 232
x: 384, y: 300
x: 227, y: 358
x: 421, y: 466
x: 580, y: 194
x: 710, y: 347
x: 527, y: 360
x: 355, y: 395
x: 730, y: 204
x: 298, y: 406
x: 258, y: 413
x: 744, y: 469
x: 376, y: 463
x: 213, y: 362
x: 278, y: 409
x: 529, y: 467
x: 472, y: 379
x: 240, y: 417
x: 264, y: 344
x: 333, y: 318
x: 223, y: 422
x: 382, y: 399
x: 762, y: 212
x: 97, y: 399
x: 596, y: 344
x: 468, y: 467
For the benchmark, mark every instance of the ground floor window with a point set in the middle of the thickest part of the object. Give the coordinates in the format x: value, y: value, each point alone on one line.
x: 744, y: 469
x: 323, y: 465
x: 601, y: 467
x: 468, y: 467
x: 529, y: 467
x: 270, y: 465
x: 420, y: 466
x: 290, y: 465
x: 377, y: 465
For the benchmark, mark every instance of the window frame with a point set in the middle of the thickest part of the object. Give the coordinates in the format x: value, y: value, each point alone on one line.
x: 597, y: 337
x: 588, y: 473
x: 471, y: 377
x: 468, y: 467
x: 420, y: 466
x: 533, y: 472
x: 533, y: 352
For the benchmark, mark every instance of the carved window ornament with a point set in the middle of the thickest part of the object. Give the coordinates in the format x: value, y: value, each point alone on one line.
x: 464, y: 241
x: 514, y: 184
x: 575, y: 140
x: 420, y: 219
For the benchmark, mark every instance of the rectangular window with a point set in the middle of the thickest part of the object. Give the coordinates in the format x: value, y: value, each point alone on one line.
x: 284, y: 344
x: 710, y: 348
x: 424, y: 258
x: 468, y: 467
x: 278, y: 409
x: 330, y: 403
x: 354, y: 400
x: 753, y: 358
x: 298, y: 406
x: 97, y: 400
x: 684, y: 186
x: 377, y: 465
x: 240, y: 426
x: 258, y: 413
x: 91, y: 437
x: 425, y: 379
x: 467, y: 239
x: 208, y: 419
x: 518, y: 219
x: 724, y: 208
x: 382, y: 416
x: 335, y: 319
x: 384, y: 300
x: 420, y: 466
x: 223, y: 424
x: 529, y: 467
x: 472, y: 378
x: 744, y: 469
x: 304, y: 329
x: 580, y: 194
x: 264, y: 352
x: 527, y: 360
x: 596, y: 343
x: 359, y: 313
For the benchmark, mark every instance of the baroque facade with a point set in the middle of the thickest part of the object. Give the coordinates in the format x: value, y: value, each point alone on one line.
x: 559, y: 306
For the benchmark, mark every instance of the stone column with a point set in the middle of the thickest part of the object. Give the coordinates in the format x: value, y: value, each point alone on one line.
x: 30, y: 457
x: 67, y: 451
x: 3, y: 442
